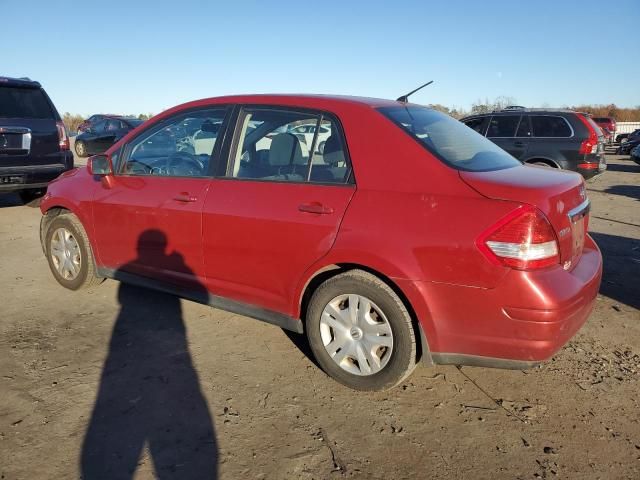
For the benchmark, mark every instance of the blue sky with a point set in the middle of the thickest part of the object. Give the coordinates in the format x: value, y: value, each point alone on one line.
x: 146, y: 56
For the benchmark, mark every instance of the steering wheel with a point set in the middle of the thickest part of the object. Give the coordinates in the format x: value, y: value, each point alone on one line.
x: 184, y: 161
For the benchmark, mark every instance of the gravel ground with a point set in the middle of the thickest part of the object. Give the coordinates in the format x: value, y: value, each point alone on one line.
x: 120, y: 382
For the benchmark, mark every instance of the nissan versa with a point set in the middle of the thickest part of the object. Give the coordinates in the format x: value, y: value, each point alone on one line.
x: 406, y: 237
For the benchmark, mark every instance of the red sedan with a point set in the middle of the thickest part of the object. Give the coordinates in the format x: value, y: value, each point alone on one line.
x: 407, y: 236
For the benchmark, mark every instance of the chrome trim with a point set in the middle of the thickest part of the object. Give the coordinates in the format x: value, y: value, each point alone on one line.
x: 579, y: 211
x: 24, y: 131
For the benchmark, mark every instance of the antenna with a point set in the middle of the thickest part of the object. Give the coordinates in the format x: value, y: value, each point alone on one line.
x: 405, y: 98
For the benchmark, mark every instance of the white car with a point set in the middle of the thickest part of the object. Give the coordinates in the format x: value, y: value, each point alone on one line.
x: 306, y: 133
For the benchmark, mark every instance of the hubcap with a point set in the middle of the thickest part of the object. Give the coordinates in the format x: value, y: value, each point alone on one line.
x: 356, y: 334
x: 80, y: 148
x: 65, y: 254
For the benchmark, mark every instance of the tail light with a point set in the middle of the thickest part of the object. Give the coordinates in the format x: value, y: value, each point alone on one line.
x: 524, y: 240
x: 590, y: 145
x: 63, y: 138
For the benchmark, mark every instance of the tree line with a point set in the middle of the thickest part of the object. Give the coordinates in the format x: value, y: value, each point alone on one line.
x: 621, y: 114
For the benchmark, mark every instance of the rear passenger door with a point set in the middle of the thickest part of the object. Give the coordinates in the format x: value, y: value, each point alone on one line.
x: 277, y: 209
x: 502, y: 131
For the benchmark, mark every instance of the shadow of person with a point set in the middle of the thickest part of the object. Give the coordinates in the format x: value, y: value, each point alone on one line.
x: 149, y: 391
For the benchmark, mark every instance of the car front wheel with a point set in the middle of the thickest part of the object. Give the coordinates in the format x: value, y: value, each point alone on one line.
x: 360, y: 332
x: 81, y: 148
x: 69, y: 253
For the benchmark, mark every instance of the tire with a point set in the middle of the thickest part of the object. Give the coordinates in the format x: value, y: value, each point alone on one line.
x: 28, y: 196
x: 389, y: 365
x: 80, y: 148
x: 541, y: 164
x: 85, y: 276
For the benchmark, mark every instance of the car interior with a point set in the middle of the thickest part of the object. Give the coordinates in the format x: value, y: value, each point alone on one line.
x: 273, y: 150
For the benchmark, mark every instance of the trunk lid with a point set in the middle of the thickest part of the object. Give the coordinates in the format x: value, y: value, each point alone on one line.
x: 561, y: 196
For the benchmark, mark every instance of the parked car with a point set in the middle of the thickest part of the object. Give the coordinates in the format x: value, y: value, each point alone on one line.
x: 561, y: 139
x: 625, y: 137
x: 410, y: 237
x: 34, y: 146
x: 608, y: 123
x: 307, y: 132
x: 100, y: 136
x: 92, y: 120
x: 626, y: 147
x: 635, y: 154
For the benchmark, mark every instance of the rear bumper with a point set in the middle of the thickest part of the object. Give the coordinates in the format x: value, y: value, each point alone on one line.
x: 523, y: 321
x: 22, y: 177
x: 592, y: 165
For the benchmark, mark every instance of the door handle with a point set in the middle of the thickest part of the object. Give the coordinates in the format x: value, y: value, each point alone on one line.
x: 315, y: 207
x: 518, y: 144
x: 185, y: 197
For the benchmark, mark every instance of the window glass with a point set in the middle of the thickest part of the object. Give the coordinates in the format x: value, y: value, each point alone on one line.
x: 112, y: 125
x: 524, y: 129
x: 450, y: 140
x: 477, y: 124
x: 99, y: 127
x: 181, y: 147
x: 548, y: 126
x: 503, y: 126
x: 17, y: 102
x: 277, y: 145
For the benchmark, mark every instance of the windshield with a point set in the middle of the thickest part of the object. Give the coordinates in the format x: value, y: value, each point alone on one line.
x: 17, y: 102
x: 450, y: 140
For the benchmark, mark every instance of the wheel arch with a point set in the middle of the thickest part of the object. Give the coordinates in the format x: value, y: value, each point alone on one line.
x: 326, y: 272
x: 548, y: 161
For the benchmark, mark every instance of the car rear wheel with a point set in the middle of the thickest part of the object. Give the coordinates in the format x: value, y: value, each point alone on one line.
x: 69, y: 253
x: 360, y: 332
x: 542, y: 164
x: 81, y: 148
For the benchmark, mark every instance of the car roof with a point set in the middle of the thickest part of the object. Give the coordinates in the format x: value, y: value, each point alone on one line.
x: 518, y: 111
x: 19, y: 82
x: 295, y: 100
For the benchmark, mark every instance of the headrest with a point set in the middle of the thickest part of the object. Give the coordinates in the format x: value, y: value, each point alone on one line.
x: 333, y: 153
x: 285, y: 150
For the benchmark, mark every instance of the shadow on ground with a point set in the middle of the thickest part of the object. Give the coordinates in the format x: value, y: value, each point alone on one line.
x: 631, y: 191
x: 149, y: 392
x: 625, y: 168
x: 621, y: 257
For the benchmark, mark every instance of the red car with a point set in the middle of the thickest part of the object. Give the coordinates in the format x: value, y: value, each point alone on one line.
x: 408, y: 236
x: 608, y: 126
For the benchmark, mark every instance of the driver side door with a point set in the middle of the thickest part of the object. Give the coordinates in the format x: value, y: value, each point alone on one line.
x: 148, y: 215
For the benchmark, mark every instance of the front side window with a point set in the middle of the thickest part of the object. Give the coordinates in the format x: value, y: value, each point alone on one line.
x: 449, y: 140
x: 548, y: 126
x: 289, y: 146
x: 182, y: 146
x: 99, y: 127
x: 503, y: 126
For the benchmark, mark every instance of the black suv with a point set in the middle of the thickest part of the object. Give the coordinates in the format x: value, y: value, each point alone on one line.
x: 552, y: 138
x: 34, y: 146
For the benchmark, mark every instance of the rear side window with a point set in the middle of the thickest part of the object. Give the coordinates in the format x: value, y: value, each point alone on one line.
x: 477, y: 124
x: 550, y: 127
x: 16, y: 102
x: 449, y: 140
x: 280, y: 145
x: 503, y: 126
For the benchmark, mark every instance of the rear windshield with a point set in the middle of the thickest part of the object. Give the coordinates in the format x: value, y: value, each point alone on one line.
x: 16, y: 102
x: 602, y: 119
x: 450, y: 140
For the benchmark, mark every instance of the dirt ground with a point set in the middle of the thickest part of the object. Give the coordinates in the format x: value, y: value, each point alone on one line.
x: 120, y: 382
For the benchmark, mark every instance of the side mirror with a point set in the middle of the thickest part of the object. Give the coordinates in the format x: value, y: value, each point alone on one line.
x: 99, y: 165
